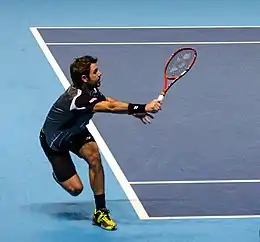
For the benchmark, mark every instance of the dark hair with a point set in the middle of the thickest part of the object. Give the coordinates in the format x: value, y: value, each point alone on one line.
x: 81, y: 66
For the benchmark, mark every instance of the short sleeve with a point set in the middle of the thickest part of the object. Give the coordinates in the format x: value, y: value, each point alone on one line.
x: 86, y: 102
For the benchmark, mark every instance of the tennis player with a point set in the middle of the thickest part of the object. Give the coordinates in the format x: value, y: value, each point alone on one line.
x: 64, y: 130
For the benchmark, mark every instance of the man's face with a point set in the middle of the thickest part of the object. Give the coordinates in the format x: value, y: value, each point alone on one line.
x: 94, y: 75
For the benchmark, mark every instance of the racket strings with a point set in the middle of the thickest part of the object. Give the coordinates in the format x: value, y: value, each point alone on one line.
x: 180, y: 63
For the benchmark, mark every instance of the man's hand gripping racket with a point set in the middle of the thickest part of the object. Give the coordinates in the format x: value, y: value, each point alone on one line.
x: 177, y: 65
x: 152, y: 107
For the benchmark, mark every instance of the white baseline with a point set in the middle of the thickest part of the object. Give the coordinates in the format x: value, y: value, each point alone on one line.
x: 192, y: 182
x: 156, y: 43
x: 153, y: 27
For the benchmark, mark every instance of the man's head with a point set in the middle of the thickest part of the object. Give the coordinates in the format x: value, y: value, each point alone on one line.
x: 85, y: 70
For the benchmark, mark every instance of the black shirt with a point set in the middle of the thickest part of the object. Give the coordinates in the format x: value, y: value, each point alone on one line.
x: 70, y: 114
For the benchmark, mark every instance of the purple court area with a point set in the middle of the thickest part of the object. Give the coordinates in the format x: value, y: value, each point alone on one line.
x: 208, y: 128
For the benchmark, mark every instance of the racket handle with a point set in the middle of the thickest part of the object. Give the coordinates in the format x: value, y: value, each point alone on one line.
x: 160, y: 97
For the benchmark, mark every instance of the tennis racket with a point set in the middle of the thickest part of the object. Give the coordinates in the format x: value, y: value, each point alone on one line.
x: 177, y: 65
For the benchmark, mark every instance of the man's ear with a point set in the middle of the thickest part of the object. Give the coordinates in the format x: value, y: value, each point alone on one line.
x: 84, y: 78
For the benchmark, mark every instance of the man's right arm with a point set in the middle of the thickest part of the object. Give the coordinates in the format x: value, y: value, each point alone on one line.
x: 126, y: 108
x: 86, y: 102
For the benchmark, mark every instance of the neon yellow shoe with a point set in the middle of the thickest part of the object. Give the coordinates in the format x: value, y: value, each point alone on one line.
x: 102, y: 219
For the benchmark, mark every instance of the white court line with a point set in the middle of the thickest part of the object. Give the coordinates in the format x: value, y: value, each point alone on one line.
x: 192, y: 182
x: 159, y: 43
x: 148, y: 27
x: 198, y: 182
x: 204, y: 217
x: 137, y: 205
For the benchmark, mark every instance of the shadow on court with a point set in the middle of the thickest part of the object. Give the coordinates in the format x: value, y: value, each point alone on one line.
x: 78, y: 211
x: 64, y: 211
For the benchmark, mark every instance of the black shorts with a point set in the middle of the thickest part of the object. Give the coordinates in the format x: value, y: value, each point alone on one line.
x: 61, y: 161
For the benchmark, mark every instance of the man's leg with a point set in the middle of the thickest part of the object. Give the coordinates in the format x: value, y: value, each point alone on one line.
x: 90, y: 153
x: 85, y: 147
x: 64, y: 171
x: 72, y: 185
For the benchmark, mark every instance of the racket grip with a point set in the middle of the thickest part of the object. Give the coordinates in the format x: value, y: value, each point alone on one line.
x: 160, y: 97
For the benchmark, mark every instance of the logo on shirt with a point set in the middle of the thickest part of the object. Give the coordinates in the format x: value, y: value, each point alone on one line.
x: 92, y: 100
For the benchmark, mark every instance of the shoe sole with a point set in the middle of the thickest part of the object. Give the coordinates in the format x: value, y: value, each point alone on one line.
x: 99, y: 225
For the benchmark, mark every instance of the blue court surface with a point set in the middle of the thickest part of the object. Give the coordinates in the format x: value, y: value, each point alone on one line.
x: 204, y: 145
x: 193, y: 175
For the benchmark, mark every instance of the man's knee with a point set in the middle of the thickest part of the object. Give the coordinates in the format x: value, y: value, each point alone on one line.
x: 75, y: 189
x: 94, y: 160
x: 73, y: 185
x: 90, y: 153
